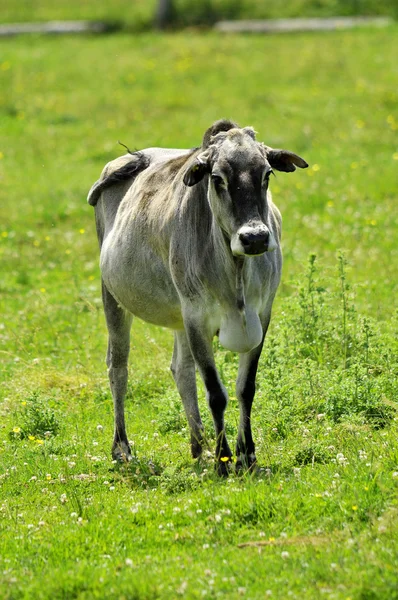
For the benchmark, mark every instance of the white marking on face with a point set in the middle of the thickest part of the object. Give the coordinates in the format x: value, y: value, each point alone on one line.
x: 237, y: 246
x: 272, y: 244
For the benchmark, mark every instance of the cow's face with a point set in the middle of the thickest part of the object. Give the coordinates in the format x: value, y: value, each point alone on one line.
x: 239, y: 170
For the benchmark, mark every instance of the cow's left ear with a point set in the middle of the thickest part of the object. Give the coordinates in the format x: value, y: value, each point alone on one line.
x: 196, y: 171
x: 283, y: 160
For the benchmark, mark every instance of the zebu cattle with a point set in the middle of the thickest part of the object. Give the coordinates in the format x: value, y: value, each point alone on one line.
x: 190, y: 240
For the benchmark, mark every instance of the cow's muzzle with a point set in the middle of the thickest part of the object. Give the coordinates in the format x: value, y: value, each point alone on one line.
x: 252, y: 241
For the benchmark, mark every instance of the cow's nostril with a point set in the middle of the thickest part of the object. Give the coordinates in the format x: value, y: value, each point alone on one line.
x: 246, y: 238
x: 254, y: 242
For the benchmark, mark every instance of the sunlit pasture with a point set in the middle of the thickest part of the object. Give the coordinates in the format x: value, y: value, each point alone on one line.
x: 319, y: 518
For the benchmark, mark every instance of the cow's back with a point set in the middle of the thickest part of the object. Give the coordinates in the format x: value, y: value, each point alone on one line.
x: 135, y: 236
x: 117, y: 178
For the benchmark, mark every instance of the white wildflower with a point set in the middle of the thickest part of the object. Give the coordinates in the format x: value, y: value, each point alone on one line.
x: 341, y: 459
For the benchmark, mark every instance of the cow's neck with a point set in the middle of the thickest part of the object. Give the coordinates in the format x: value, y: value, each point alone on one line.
x: 234, y: 266
x: 240, y: 328
x: 239, y: 284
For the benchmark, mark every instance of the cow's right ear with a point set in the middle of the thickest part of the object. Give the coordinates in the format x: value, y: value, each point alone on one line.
x: 196, y: 171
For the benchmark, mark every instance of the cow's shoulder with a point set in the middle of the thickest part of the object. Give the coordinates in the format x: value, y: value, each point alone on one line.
x: 166, y: 163
x: 158, y: 156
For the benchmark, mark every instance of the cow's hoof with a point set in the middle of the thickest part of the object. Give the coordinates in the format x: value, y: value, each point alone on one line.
x: 121, y: 453
x: 245, y: 463
x: 198, y: 443
x: 223, y: 466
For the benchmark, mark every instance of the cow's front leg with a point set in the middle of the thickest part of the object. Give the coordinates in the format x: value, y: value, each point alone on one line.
x: 216, y: 393
x: 183, y: 369
x: 245, y: 390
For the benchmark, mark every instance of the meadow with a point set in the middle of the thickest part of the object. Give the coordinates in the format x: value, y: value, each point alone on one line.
x: 320, y: 517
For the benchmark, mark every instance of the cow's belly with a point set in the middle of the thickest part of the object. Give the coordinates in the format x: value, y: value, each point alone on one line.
x: 157, y: 310
x: 143, y: 288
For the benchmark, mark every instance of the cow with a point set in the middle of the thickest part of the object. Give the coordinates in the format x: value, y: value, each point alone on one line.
x: 190, y: 240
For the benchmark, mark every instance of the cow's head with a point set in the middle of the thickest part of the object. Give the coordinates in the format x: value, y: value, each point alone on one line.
x: 238, y: 169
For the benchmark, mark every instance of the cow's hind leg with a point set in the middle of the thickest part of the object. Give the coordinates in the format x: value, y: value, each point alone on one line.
x: 183, y: 369
x: 119, y: 324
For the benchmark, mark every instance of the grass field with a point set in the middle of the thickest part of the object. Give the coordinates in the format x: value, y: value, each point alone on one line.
x: 322, y: 514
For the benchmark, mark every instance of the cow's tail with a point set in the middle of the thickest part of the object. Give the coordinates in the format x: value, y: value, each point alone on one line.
x: 138, y: 163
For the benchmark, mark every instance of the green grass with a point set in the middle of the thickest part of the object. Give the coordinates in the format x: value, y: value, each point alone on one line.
x: 74, y: 525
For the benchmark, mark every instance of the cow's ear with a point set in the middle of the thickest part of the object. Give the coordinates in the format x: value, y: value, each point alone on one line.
x: 283, y: 160
x: 250, y: 132
x: 196, y: 171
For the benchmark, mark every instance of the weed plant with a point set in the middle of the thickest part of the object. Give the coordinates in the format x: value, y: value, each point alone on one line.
x: 322, y: 501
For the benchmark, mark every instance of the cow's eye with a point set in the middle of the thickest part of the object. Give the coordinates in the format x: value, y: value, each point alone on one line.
x: 218, y: 181
x: 267, y: 175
